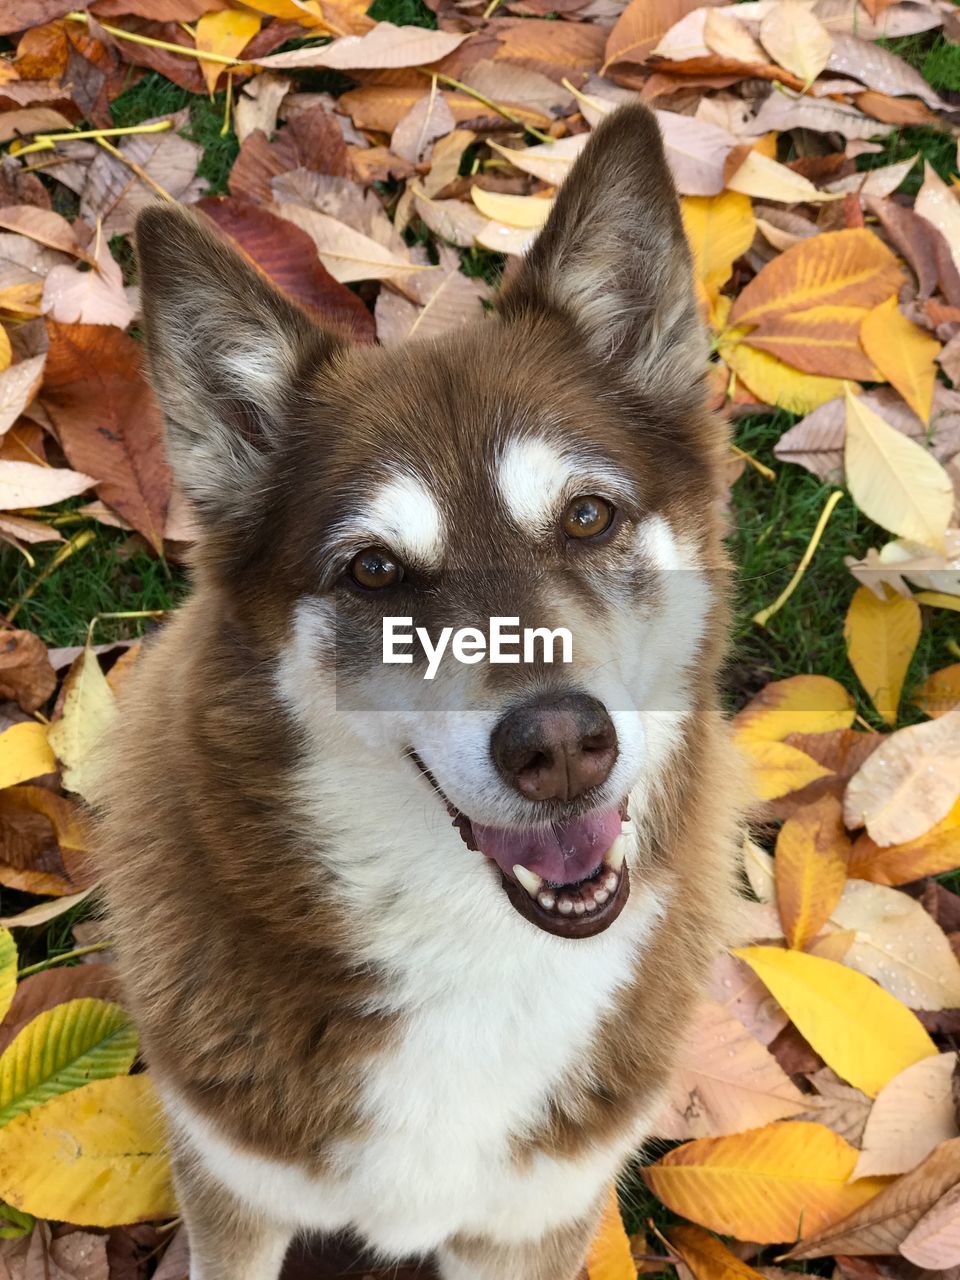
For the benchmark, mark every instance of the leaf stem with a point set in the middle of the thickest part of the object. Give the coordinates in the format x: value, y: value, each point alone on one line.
x: 137, y: 169
x: 170, y: 47
x: 487, y: 102
x: 767, y: 472
x: 764, y: 616
x: 76, y: 543
x: 75, y: 954
x: 46, y: 141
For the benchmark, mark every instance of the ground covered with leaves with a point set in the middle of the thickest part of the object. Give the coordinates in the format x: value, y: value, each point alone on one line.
x: 381, y: 166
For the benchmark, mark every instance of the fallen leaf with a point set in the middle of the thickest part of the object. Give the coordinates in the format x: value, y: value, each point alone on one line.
x: 44, y: 226
x: 108, y: 421
x: 226, y: 32
x: 287, y: 256
x: 858, y: 1029
x: 97, y: 296
x: 64, y: 1048
x: 25, y: 753
x: 719, y: 230
x: 115, y: 194
x: 448, y: 304
x: 25, y: 484
x: 18, y: 385
x: 793, y: 36
x: 894, y: 480
x: 94, y: 1156
x: 880, y: 69
x: 549, y: 161
x: 385, y: 45
x: 707, y: 1257
x: 903, y: 353
x: 427, y: 120
x: 937, y: 204
x: 44, y: 912
x: 311, y: 140
x: 934, y: 1242
x: 725, y: 1081
x: 799, y: 704
x: 899, y: 945
x: 727, y: 37
x: 781, y: 112
x: 940, y: 692
x: 8, y: 971
x: 641, y: 26
x: 453, y: 220
x: 88, y: 710
x: 772, y: 381
x: 765, y: 1185
x: 695, y: 151
x: 811, y: 869
x: 777, y: 769
x: 909, y: 783
x: 912, y: 1115
x: 258, y: 104
x: 609, y: 1257
x: 886, y: 1219
x: 881, y: 637
x: 838, y: 1106
x: 26, y: 675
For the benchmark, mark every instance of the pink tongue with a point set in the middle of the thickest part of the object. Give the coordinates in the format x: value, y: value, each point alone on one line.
x: 560, y: 853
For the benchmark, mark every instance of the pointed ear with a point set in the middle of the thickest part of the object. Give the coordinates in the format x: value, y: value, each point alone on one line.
x: 613, y: 257
x: 226, y: 352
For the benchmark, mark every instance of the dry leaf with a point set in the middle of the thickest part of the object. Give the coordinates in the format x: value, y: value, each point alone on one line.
x: 937, y: 204
x: 881, y: 1224
x: 799, y: 704
x: 777, y: 769
x: 793, y: 36
x: 24, y: 484
x: 550, y: 162
x: 912, y: 1115
x: 764, y: 1185
x: 881, y: 637
x: 893, y: 480
x: 449, y: 302
x: 88, y: 710
x: 707, y: 1257
x: 18, y: 385
x: 610, y: 1257
x: 934, y: 1242
x: 258, y: 104
x: 880, y: 69
x: 427, y: 120
x: 696, y: 151
x: 859, y: 1030
x: 724, y: 35
x: 385, y: 45
x: 26, y: 675
x: 90, y: 297
x: 719, y: 229
x: 347, y: 254
x: 940, y: 692
x: 909, y: 783
x: 781, y: 112
x: 810, y: 869
x: 226, y: 32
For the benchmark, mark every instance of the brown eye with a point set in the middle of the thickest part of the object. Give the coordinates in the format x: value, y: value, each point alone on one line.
x: 587, y: 517
x: 375, y: 569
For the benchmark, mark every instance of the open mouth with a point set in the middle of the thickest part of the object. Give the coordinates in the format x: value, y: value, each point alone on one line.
x: 568, y: 878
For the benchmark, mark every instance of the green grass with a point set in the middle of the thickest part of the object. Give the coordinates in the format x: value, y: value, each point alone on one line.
x: 404, y: 13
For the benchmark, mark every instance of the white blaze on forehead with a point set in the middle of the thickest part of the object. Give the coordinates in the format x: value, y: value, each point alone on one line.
x: 404, y: 515
x: 532, y: 476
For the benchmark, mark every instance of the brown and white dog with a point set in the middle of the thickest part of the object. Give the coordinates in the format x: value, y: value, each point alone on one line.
x: 412, y: 957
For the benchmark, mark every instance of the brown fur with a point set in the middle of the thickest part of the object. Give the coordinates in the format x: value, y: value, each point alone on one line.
x: 237, y: 965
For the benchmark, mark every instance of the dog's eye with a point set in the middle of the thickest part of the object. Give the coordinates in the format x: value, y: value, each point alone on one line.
x: 587, y: 517
x: 375, y: 569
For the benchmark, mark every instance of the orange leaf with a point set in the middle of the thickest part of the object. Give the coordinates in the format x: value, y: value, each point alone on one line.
x: 640, y: 27
x: 931, y: 854
x: 707, y: 1257
x: 768, y: 1185
x: 940, y: 692
x: 810, y: 868
x: 824, y: 340
x: 903, y: 353
x: 610, y: 1257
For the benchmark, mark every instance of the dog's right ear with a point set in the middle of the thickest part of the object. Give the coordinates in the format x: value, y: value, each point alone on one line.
x: 226, y: 351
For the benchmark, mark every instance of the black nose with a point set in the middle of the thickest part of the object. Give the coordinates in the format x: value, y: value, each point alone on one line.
x: 556, y: 748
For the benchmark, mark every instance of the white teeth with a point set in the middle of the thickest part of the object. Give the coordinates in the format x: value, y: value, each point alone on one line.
x: 565, y: 905
x: 547, y: 900
x: 529, y: 879
x: 590, y: 904
x: 627, y: 827
x: 579, y: 907
x: 610, y: 882
x: 614, y: 855
x: 600, y: 896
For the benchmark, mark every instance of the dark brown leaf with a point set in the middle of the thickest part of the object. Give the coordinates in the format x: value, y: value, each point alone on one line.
x: 104, y: 412
x: 288, y: 257
x: 21, y: 14
x: 311, y: 140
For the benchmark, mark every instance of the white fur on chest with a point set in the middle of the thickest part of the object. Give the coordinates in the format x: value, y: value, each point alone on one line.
x: 494, y: 1015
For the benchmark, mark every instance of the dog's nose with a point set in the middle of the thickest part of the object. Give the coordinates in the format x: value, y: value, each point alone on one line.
x: 555, y: 749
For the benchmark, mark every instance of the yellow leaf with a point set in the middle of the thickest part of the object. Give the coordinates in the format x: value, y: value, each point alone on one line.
x: 226, y: 32
x: 799, y: 704
x: 768, y: 1185
x: 796, y: 39
x: 772, y: 381
x: 940, y: 692
x: 307, y: 12
x: 766, y: 179
x: 88, y: 711
x: 707, y: 1257
x: 24, y: 753
x: 810, y: 869
x: 863, y: 1033
x: 904, y: 354
x: 95, y: 1156
x: 938, y: 600
x: 610, y: 1257
x: 8, y: 971
x: 778, y: 769
x: 931, y: 854
x: 6, y: 351
x: 822, y: 340
x: 719, y: 230
x: 881, y: 637
x: 527, y: 212
x: 895, y: 481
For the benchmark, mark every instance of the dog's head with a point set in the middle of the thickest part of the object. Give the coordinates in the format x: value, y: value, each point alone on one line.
x: 552, y: 467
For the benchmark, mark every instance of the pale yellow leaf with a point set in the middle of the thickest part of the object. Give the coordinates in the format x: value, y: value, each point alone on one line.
x: 940, y: 206
x: 894, y: 481
x: 526, y: 212
x: 859, y: 1030
x: 799, y: 704
x: 729, y: 38
x: 881, y: 636
x: 25, y: 753
x: 772, y: 381
x: 88, y: 711
x: 384, y: 46
x: 796, y: 39
x: 27, y: 484
x: 777, y: 769
x: 95, y: 1157
x: 549, y: 161
x: 767, y: 179
x: 912, y: 1115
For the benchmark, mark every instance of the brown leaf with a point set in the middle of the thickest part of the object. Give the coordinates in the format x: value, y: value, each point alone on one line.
x: 159, y: 10
x: 558, y: 50
x: 425, y: 122
x: 895, y: 111
x: 840, y: 1107
x: 56, y: 986
x: 258, y: 104
x: 288, y: 258
x: 934, y: 1243
x: 114, y: 193
x: 31, y: 13
x: 880, y: 70
x: 105, y: 414
x: 882, y: 1223
x: 923, y: 246
x: 184, y: 72
x: 25, y: 671
x: 641, y: 26
x: 44, y: 226
x: 842, y: 751
x: 311, y: 140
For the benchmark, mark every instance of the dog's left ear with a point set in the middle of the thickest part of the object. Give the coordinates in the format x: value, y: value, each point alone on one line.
x: 613, y: 257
